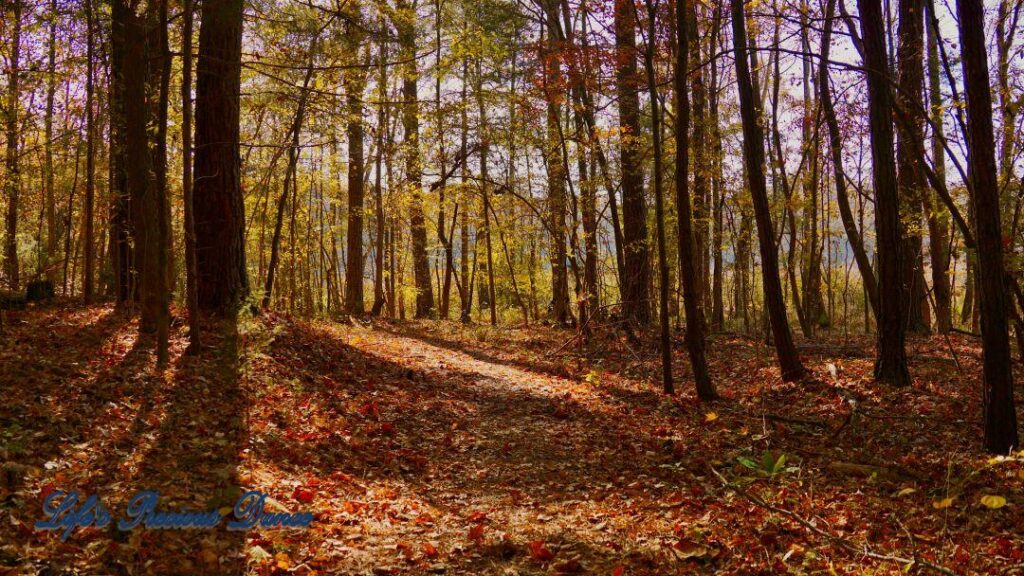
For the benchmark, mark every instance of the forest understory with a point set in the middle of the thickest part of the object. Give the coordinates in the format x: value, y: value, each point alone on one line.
x: 435, y: 447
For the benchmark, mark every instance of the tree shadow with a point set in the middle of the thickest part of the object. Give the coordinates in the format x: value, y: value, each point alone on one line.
x: 113, y: 427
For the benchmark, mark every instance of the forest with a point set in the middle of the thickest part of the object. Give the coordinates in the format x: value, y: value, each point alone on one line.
x: 516, y: 287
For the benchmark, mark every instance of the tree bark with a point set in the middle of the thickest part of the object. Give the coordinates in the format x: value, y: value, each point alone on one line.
x: 891, y: 359
x: 191, y: 293
x: 13, y: 180
x: 406, y: 24
x: 688, y: 258
x: 753, y: 154
x: 636, y: 259
x: 665, y: 342
x: 1000, y: 415
x: 219, y: 211
x: 909, y: 174
x: 355, y: 83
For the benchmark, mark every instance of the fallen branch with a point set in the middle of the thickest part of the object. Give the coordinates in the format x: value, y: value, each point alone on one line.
x: 843, y: 543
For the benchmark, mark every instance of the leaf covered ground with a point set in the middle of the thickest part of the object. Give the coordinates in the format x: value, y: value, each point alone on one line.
x: 431, y: 447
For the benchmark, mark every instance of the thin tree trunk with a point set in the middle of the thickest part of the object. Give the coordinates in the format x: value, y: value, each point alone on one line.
x: 937, y: 214
x: 191, y: 293
x: 665, y: 342
x: 891, y: 359
x: 753, y: 153
x: 835, y: 147
x: 689, y: 270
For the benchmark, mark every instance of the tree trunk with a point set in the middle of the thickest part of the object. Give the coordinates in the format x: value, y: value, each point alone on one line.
x: 47, y: 264
x: 688, y: 259
x: 13, y: 179
x: 553, y: 88
x: 665, y: 342
x: 1000, y: 415
x: 219, y: 212
x: 753, y: 154
x: 937, y: 213
x: 355, y: 83
x: 891, y: 360
x: 90, y: 161
x: 191, y: 294
x: 406, y: 24
x: 910, y: 174
x: 835, y: 147
x: 636, y: 260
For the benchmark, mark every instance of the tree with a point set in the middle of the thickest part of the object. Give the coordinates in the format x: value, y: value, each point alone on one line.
x: 1000, y: 414
x: 13, y: 177
x: 90, y: 159
x: 687, y: 258
x: 910, y: 173
x: 406, y: 24
x: 753, y: 156
x: 891, y: 359
x: 355, y: 83
x: 191, y: 288
x: 636, y: 261
x: 664, y: 343
x: 222, y: 280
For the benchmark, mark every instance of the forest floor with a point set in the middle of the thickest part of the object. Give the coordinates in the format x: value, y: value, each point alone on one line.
x: 431, y: 447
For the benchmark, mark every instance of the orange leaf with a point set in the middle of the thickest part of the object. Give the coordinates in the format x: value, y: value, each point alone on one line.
x: 429, y: 551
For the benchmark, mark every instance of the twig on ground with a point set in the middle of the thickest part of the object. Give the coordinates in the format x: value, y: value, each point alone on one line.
x: 843, y: 543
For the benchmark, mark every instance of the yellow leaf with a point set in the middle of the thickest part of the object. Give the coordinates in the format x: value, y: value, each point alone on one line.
x: 283, y: 561
x: 710, y: 417
x: 905, y: 492
x: 992, y: 501
x: 941, y: 504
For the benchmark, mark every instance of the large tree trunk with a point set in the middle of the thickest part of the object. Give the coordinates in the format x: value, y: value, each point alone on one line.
x: 13, y: 176
x: 753, y: 155
x: 910, y: 174
x: 636, y: 260
x: 355, y: 83
x: 219, y: 210
x: 688, y: 257
x: 553, y: 87
x: 406, y: 24
x: 891, y: 360
x: 121, y: 250
x: 1000, y: 415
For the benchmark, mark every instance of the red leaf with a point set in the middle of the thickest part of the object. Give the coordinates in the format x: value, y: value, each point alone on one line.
x: 618, y: 570
x: 476, y: 533
x: 429, y: 551
x: 539, y: 551
x: 303, y: 495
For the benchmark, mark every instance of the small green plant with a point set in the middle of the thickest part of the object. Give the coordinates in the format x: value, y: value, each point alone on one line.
x: 769, y: 466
